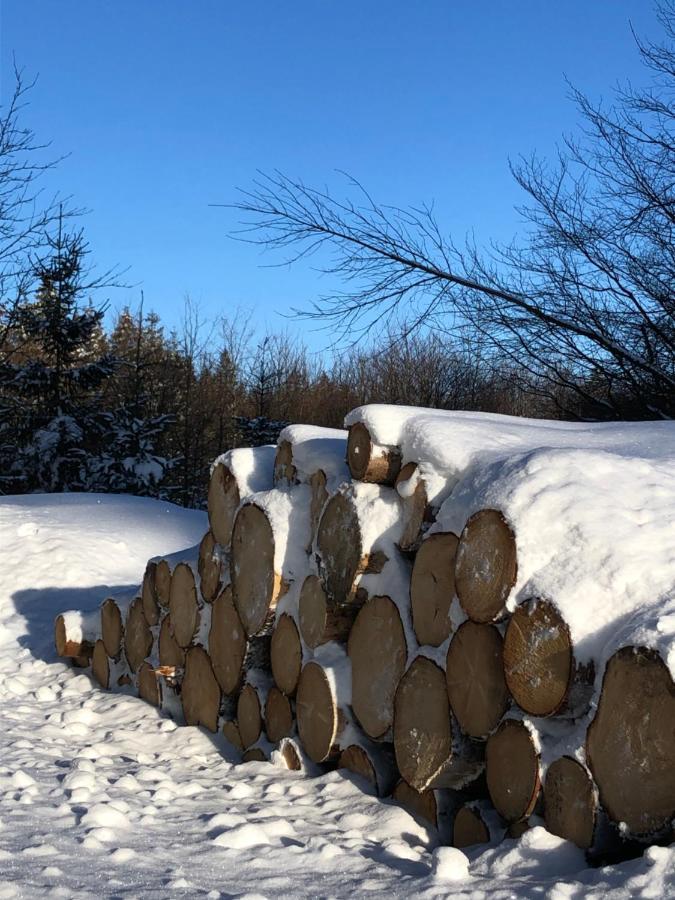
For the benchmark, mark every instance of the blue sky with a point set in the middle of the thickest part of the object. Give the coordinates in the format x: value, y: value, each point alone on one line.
x: 166, y: 107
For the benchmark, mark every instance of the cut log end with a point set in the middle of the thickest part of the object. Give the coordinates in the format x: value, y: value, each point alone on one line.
x: 170, y: 653
x: 378, y: 652
x: 148, y: 686
x: 149, y: 595
x: 538, y: 659
x: 163, y: 583
x: 319, y: 496
x: 512, y: 768
x: 474, y: 675
x: 486, y: 566
x: 630, y: 743
x: 415, y: 507
x: 278, y: 715
x: 469, y: 828
x: 223, y: 500
x: 421, y: 804
x: 100, y: 665
x: 340, y: 548
x: 82, y: 648
x: 432, y: 588
x: 284, y: 471
x: 112, y: 629
x: 255, y: 754
x: 355, y: 759
x: 200, y: 693
x: 227, y: 642
x: 183, y: 605
x: 137, y: 635
x: 249, y: 715
x: 422, y: 729
x: 231, y: 734
x: 286, y: 654
x: 570, y: 802
x: 317, y: 714
x: 209, y: 567
x: 371, y: 462
x: 255, y: 585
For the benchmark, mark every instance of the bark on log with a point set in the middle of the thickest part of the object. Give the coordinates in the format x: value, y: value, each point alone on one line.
x: 200, y: 693
x: 378, y: 652
x: 184, y: 605
x: 76, y: 632
x: 541, y: 671
x: 112, y: 628
x: 170, y: 652
x: 163, y: 583
x: 432, y: 588
x: 571, y: 802
x: 232, y: 653
x: 149, y: 595
x: 415, y: 506
x: 630, y: 744
x: 320, y: 622
x: 210, y: 567
x: 429, y: 752
x: 512, y: 768
x: 278, y: 716
x: 321, y: 708
x: 374, y: 763
x: 286, y: 655
x: 137, y: 635
x: 485, y: 566
x: 375, y: 463
x: 257, y: 579
x: 250, y: 707
x: 474, y: 675
x: 347, y: 542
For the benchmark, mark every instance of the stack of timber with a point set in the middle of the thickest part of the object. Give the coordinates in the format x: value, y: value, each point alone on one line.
x: 471, y: 614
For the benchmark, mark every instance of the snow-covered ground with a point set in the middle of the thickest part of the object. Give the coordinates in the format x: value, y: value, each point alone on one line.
x: 100, y: 796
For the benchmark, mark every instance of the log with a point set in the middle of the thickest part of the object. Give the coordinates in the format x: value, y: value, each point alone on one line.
x: 415, y: 506
x: 163, y: 583
x: 285, y: 472
x: 149, y: 595
x: 291, y: 756
x: 100, y: 665
x: 357, y: 533
x: 170, y: 652
x: 200, y: 693
x: 469, y: 828
x: 571, y: 802
x: 231, y: 734
x: 278, y: 715
x: 485, y: 566
x: 430, y: 753
x: 232, y: 653
x: 512, y: 769
x: 137, y: 635
x: 148, y: 685
x: 435, y: 807
x: 374, y: 763
x: 539, y: 665
x: 76, y: 632
x: 250, y: 706
x: 268, y: 531
x: 184, y: 605
x: 630, y: 745
x: 319, y: 496
x: 370, y: 462
x: 319, y: 621
x: 112, y: 628
x: 432, y: 588
x: 210, y: 567
x: 322, y: 706
x: 286, y: 655
x: 234, y: 476
x: 474, y: 675
x: 378, y: 651
x: 255, y: 754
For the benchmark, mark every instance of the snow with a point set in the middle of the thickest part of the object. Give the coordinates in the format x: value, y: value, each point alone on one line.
x: 317, y: 448
x: 101, y: 796
x: 252, y: 467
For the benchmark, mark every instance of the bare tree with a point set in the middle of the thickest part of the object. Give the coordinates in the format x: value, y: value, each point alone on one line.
x: 584, y: 308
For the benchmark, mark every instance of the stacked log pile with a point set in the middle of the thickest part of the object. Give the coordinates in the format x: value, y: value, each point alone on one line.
x: 349, y: 609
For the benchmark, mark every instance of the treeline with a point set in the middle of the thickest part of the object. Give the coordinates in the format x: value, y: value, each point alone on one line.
x: 137, y: 407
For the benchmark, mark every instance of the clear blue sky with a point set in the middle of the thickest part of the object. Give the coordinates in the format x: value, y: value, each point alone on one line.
x: 166, y: 107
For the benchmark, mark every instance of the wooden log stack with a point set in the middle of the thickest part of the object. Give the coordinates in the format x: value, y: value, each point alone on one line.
x: 325, y: 621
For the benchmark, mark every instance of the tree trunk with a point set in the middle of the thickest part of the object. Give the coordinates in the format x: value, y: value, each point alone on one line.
x: 374, y: 463
x: 485, y: 566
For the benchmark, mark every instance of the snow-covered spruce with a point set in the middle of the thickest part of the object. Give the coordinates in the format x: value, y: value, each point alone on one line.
x: 75, y: 633
x: 232, y: 652
x: 269, y: 537
x: 235, y: 476
x: 430, y: 749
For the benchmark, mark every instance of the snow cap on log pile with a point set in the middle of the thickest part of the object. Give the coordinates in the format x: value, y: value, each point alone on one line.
x: 76, y: 632
x: 312, y: 449
x: 236, y: 475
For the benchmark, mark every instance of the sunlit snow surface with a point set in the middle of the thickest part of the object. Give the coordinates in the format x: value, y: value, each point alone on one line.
x: 102, y: 797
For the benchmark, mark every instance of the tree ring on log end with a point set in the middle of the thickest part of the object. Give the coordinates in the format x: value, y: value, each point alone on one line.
x: 630, y: 743
x: 432, y: 588
x: 422, y: 730
x: 252, y: 567
x: 316, y: 713
x: 368, y: 462
x: 512, y: 769
x: 149, y: 595
x: 570, y: 802
x: 378, y: 652
x: 538, y: 659
x: 486, y: 565
x: 284, y: 470
x: 312, y: 611
x: 474, y: 674
x: 254, y: 754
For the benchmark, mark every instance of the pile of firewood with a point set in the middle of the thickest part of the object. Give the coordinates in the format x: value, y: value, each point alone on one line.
x: 322, y: 624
